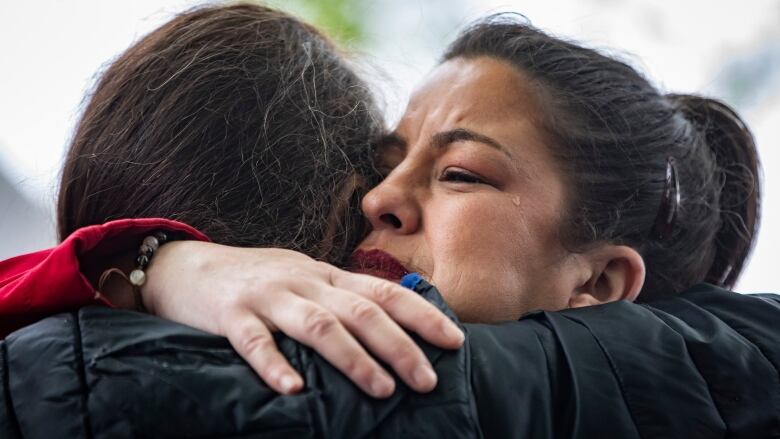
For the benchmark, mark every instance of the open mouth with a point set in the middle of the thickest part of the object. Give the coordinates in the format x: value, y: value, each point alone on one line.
x: 377, y: 263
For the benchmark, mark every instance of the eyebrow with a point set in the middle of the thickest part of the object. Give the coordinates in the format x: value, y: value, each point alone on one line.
x: 444, y: 138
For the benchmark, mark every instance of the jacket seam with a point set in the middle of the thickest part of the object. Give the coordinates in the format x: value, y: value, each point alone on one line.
x: 663, y: 316
x: 618, y: 376
x: 7, y: 385
x: 473, y: 411
x: 554, y: 427
x: 318, y: 426
x: 81, y: 373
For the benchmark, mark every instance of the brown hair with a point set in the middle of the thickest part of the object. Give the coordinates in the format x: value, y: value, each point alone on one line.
x: 614, y: 134
x: 241, y: 121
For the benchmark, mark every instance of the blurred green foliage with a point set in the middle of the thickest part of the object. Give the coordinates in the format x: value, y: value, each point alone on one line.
x: 343, y: 20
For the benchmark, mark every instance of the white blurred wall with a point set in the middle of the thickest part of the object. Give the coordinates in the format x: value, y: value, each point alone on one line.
x: 24, y: 226
x: 51, y: 50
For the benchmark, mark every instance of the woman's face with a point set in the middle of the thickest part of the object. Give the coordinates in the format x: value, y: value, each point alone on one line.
x: 472, y: 199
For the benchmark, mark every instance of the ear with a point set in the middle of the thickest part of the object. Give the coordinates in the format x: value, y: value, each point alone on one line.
x: 617, y: 272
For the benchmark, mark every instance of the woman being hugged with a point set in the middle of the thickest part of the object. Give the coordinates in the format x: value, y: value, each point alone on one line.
x: 668, y: 182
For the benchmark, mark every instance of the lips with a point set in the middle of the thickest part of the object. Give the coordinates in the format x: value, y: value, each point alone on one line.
x: 377, y: 263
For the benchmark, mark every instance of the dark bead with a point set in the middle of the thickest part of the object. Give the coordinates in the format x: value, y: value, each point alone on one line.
x: 145, y: 250
x: 161, y: 237
x: 142, y: 261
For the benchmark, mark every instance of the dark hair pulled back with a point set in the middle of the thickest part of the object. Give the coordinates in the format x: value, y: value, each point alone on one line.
x: 613, y: 134
x: 241, y: 121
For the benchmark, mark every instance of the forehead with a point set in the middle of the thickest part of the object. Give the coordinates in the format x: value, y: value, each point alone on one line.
x: 476, y: 90
x: 487, y: 96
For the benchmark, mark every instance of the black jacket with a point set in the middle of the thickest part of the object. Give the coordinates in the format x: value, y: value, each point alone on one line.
x: 702, y: 365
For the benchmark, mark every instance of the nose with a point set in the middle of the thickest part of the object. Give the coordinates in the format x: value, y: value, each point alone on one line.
x: 392, y: 206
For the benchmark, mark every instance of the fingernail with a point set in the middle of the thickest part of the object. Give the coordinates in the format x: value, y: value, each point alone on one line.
x: 453, y: 332
x: 424, y: 377
x: 287, y: 383
x: 381, y: 385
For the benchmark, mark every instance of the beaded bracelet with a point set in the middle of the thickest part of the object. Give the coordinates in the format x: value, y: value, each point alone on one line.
x: 149, y: 245
x: 137, y: 277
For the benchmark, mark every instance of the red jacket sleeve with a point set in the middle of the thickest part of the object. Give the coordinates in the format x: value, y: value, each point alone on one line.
x: 37, y: 285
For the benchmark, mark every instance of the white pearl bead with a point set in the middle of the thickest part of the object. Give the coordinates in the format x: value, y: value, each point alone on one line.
x: 137, y: 277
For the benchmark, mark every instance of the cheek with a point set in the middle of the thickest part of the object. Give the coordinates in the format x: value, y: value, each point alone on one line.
x: 495, y: 259
x: 475, y: 232
x: 476, y: 255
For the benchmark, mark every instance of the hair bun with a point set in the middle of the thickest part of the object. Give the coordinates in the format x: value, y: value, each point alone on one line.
x: 737, y: 173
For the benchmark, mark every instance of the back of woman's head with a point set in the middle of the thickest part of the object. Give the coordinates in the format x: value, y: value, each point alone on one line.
x: 241, y: 121
x: 617, y: 140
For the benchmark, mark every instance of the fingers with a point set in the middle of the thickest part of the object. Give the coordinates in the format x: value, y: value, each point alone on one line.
x: 406, y: 307
x: 381, y: 336
x: 254, y: 342
x: 316, y: 327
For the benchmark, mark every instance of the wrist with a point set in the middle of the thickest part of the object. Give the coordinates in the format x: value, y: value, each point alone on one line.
x: 123, y: 284
x: 161, y: 271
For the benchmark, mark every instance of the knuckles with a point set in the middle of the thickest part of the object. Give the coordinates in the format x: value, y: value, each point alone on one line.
x: 251, y: 341
x: 431, y: 321
x: 360, y: 370
x: 406, y: 353
x: 384, y: 293
x: 364, y: 311
x: 319, y: 323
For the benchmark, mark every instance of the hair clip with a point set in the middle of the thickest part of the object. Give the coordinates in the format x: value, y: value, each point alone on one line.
x: 670, y: 203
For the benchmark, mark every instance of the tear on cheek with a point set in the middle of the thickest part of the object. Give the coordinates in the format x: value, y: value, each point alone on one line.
x: 516, y: 200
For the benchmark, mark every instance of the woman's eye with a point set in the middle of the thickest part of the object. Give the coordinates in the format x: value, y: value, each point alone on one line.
x: 461, y: 177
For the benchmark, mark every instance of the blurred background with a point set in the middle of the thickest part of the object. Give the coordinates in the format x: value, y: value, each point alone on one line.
x: 52, y: 51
